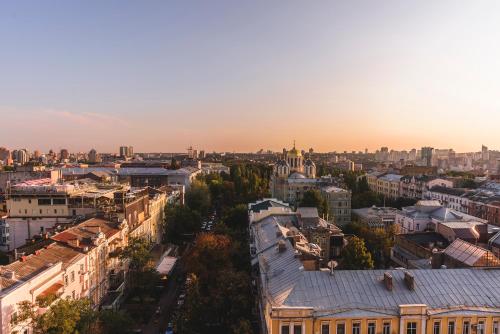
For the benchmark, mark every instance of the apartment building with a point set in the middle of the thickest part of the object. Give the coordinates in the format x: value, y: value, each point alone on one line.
x: 295, y: 297
x: 56, y: 270
x: 388, y: 185
x: 453, y: 198
x: 339, y: 204
x: 97, y: 239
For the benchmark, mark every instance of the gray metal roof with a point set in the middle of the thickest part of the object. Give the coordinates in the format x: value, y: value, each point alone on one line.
x: 285, y: 283
x: 364, y: 289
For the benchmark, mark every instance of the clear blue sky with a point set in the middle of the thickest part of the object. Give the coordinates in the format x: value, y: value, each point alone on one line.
x: 244, y: 75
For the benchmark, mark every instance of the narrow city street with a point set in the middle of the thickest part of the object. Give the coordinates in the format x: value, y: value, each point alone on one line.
x: 167, y: 303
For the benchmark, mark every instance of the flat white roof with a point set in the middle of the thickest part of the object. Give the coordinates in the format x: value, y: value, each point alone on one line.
x: 166, y: 265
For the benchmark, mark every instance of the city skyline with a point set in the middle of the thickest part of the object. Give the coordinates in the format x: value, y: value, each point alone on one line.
x: 228, y: 76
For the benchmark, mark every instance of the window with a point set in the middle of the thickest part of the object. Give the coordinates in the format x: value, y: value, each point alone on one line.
x: 285, y: 329
x: 356, y: 328
x: 371, y: 328
x: 480, y: 327
x: 325, y: 328
x: 66, y: 280
x: 340, y: 329
x: 411, y: 328
x: 73, y: 277
x: 297, y: 329
x: 495, y: 327
x: 387, y: 328
x: 436, y: 327
x: 466, y: 327
x: 59, y: 201
x: 44, y: 201
x: 451, y: 327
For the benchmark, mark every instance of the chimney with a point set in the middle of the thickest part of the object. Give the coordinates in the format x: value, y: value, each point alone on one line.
x: 74, y: 242
x: 388, y: 280
x: 281, y: 246
x: 409, y: 280
x: 437, y: 258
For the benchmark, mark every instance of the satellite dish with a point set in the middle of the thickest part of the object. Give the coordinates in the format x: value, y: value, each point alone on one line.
x: 332, y: 264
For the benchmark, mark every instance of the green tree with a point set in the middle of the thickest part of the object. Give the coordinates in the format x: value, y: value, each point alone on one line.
x: 313, y: 198
x: 198, y: 198
x: 115, y: 322
x: 378, y: 241
x: 66, y: 316
x: 138, y: 253
x: 181, y: 224
x: 356, y: 256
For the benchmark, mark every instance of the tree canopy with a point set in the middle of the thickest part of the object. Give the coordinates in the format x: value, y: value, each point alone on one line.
x: 356, y: 256
x: 313, y: 198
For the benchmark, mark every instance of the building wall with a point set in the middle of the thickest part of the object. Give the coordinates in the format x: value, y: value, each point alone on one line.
x: 20, y: 229
x: 458, y: 203
x: 339, y: 206
x: 414, y: 314
x: 35, y: 206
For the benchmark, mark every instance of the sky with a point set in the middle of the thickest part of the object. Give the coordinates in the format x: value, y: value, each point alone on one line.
x: 244, y: 75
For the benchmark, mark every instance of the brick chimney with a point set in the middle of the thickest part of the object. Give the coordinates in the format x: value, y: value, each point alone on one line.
x: 388, y: 280
x: 409, y: 280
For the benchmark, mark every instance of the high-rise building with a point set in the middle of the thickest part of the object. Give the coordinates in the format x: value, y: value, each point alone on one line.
x: 202, y: 154
x: 64, y: 154
x: 485, y: 155
x: 4, y: 154
x: 124, y: 151
x: 94, y: 157
x: 22, y: 156
x: 192, y: 153
x: 427, y: 155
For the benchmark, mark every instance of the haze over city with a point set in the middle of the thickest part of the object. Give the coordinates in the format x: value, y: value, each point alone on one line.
x: 234, y: 76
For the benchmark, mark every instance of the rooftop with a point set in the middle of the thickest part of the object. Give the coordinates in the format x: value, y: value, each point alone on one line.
x: 33, y: 264
x: 470, y: 254
x: 285, y: 283
x: 86, y: 232
x: 266, y: 203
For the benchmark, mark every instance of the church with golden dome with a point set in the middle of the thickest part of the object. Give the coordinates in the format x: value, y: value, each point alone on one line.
x: 294, y: 174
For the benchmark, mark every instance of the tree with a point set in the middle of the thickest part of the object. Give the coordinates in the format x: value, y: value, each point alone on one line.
x: 356, y: 256
x: 209, y: 255
x: 378, y: 241
x: 313, y: 198
x: 137, y: 252
x: 198, y: 198
x: 237, y: 218
x: 181, y: 224
x: 66, y: 316
x: 115, y: 322
x: 142, y: 276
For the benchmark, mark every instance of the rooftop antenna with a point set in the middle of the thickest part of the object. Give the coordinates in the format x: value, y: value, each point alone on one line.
x: 294, y: 143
